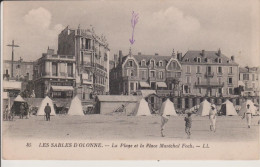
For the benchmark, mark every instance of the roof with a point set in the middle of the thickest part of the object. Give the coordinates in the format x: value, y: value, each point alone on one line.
x: 157, y: 58
x: 248, y: 69
x: 12, y: 85
x: 118, y: 98
x: 212, y: 56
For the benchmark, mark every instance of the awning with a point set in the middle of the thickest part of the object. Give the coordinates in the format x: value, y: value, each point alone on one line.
x: 161, y: 84
x: 241, y: 83
x: 12, y: 85
x: 146, y: 93
x: 62, y: 88
x: 144, y: 84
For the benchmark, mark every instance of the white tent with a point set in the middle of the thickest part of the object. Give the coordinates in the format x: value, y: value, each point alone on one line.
x: 43, y: 104
x: 204, y: 108
x: 142, y: 108
x: 167, y: 108
x: 227, y: 108
x: 244, y: 107
x: 19, y: 99
x: 75, y: 107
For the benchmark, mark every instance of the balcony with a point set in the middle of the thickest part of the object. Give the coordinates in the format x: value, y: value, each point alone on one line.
x: 61, y: 57
x: 209, y: 74
x: 100, y: 67
x: 210, y: 84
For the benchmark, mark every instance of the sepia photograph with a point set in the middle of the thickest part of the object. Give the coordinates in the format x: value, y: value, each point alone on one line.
x: 130, y: 80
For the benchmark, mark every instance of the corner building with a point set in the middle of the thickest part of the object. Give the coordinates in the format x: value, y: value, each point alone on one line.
x: 92, y: 59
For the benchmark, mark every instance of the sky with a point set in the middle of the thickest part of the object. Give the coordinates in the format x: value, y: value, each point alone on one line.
x: 163, y: 25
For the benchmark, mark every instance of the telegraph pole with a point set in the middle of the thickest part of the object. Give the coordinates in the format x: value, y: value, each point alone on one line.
x: 12, y: 45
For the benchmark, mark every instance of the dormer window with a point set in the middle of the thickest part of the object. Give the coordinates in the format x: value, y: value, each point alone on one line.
x: 152, y: 63
x: 160, y: 63
x: 130, y: 63
x: 143, y: 63
x: 198, y: 60
x: 187, y: 60
x: 219, y: 60
x: 206, y: 60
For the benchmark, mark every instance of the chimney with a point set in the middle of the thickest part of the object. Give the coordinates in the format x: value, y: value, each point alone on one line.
x: 139, y: 53
x: 203, y: 52
x: 50, y: 51
x: 179, y: 56
x: 120, y: 56
x: 233, y: 58
x: 219, y: 52
x: 115, y: 60
x: 156, y: 54
x: 173, y: 54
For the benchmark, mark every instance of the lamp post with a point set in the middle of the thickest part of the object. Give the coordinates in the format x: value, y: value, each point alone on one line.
x: 12, y: 45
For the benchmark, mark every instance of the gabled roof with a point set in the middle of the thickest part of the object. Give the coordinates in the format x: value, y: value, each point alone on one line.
x: 210, y: 55
x: 157, y: 58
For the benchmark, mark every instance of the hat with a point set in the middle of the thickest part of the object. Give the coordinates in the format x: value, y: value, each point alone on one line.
x: 213, y: 106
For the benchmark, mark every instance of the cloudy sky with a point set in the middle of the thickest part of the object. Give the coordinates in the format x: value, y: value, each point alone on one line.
x: 163, y: 25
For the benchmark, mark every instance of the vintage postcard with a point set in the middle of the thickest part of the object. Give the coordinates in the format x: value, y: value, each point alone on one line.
x: 130, y: 80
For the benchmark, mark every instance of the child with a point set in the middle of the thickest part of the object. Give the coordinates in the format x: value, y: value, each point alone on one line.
x: 188, y: 122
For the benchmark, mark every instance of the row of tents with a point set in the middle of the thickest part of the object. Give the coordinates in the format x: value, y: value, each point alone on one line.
x: 227, y: 108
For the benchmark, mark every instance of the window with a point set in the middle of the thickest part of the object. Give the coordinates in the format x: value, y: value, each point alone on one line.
x: 160, y: 63
x: 230, y: 91
x: 143, y: 63
x: 188, y: 79
x: 54, y: 69
x: 188, y: 69
x: 130, y: 63
x: 220, y: 90
x: 199, y: 60
x: 132, y: 73
x: 160, y: 75
x: 143, y: 74
x: 152, y: 63
x: 88, y: 44
x: 219, y: 80
x: 245, y: 76
x: 131, y: 86
x: 199, y: 90
x: 219, y: 60
x: 219, y: 70
x: 82, y: 43
x: 186, y: 89
x: 230, y: 70
x: 152, y: 74
x: 253, y: 77
x: 230, y: 80
x: 6, y: 72
x: 198, y: 69
x: 198, y: 80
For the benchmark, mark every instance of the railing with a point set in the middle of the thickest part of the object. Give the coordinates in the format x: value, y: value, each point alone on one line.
x: 209, y: 74
x: 210, y: 84
x: 55, y: 57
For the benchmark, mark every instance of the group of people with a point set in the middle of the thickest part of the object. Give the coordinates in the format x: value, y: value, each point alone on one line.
x: 212, y: 117
x: 24, y: 111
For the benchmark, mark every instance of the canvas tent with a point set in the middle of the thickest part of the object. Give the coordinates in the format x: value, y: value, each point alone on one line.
x: 168, y: 108
x: 17, y: 104
x: 75, y: 107
x: 244, y: 107
x: 142, y: 108
x: 43, y: 104
x: 204, y: 108
x: 227, y: 108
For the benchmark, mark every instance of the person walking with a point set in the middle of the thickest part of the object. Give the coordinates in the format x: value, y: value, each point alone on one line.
x: 188, y: 122
x: 47, y: 111
x: 213, y: 118
x: 6, y: 113
x: 248, y: 114
x: 22, y: 110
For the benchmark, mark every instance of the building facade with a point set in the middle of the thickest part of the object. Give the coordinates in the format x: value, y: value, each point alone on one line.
x: 22, y: 70
x: 208, y: 73
x: 134, y: 73
x: 249, y: 80
x: 91, y: 54
x: 54, y: 75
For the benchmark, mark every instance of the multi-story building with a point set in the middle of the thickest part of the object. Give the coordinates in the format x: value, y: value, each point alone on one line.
x: 133, y: 73
x: 91, y: 53
x: 22, y: 70
x: 54, y: 75
x: 250, y: 80
x: 209, y: 73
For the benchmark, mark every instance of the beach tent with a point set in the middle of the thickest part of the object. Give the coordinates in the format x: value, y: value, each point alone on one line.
x: 19, y: 99
x: 43, y: 104
x: 75, y: 107
x: 244, y: 107
x: 167, y: 108
x: 227, y: 108
x: 204, y: 108
x: 17, y: 103
x: 142, y: 108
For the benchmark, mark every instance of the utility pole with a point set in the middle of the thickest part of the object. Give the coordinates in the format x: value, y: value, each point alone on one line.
x: 12, y: 45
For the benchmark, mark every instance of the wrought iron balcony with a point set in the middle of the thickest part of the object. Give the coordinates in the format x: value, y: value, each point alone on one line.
x: 209, y: 74
x: 210, y: 84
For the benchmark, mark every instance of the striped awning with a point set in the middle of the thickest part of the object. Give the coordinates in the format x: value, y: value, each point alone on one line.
x: 62, y: 88
x: 161, y: 84
x: 144, y: 84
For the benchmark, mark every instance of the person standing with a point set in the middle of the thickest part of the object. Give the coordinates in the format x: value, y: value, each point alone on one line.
x: 164, y: 120
x: 22, y: 110
x: 47, y: 111
x: 213, y: 118
x: 188, y: 122
x: 6, y: 113
x: 248, y: 114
